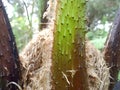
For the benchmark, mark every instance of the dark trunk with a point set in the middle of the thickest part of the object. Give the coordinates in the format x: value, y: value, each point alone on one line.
x: 43, y: 21
x: 112, y: 50
x: 9, y: 63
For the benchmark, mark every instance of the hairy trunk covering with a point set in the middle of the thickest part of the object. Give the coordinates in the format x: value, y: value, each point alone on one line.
x: 97, y: 70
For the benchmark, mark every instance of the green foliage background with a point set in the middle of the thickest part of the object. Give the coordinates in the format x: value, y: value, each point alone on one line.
x: 98, y: 38
x: 24, y: 24
x: 100, y: 13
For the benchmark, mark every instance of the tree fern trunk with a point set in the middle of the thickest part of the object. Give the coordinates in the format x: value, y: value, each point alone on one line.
x: 69, y: 67
x: 55, y: 59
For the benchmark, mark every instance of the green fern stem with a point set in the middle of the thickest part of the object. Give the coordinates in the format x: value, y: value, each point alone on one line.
x: 69, y: 69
